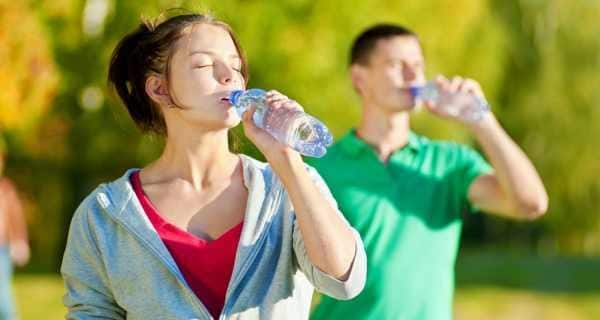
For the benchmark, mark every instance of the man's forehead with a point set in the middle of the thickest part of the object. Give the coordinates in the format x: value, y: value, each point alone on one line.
x: 399, y: 46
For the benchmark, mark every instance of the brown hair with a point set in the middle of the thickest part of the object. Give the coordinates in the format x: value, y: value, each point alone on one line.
x: 365, y: 42
x: 147, y: 50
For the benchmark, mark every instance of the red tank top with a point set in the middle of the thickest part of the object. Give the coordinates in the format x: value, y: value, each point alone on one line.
x: 205, y: 265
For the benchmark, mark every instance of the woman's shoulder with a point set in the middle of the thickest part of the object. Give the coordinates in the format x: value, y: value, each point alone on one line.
x: 250, y: 161
x: 252, y: 165
x: 107, y: 194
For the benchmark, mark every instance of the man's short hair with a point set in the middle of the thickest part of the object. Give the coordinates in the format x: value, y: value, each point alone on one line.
x: 365, y: 42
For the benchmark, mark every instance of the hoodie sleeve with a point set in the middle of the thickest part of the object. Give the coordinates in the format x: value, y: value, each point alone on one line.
x: 88, y: 295
x: 323, y: 282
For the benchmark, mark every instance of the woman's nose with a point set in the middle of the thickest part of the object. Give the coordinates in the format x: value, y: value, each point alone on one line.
x: 226, y: 78
x: 226, y: 74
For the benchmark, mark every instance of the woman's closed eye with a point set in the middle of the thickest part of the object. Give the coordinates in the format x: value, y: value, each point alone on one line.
x: 237, y: 68
x: 236, y: 64
x: 204, y: 66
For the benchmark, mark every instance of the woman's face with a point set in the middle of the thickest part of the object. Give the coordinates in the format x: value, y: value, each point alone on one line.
x: 205, y: 68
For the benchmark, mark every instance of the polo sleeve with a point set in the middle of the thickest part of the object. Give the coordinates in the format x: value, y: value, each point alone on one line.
x: 470, y: 165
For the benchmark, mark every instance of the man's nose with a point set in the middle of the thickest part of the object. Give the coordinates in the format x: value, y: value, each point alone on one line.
x: 409, y: 73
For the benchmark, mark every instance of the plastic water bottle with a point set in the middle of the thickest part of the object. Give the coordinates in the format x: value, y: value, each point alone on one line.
x: 300, y: 131
x: 465, y: 106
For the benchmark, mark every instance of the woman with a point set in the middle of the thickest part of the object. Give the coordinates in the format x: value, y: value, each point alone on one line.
x: 202, y: 232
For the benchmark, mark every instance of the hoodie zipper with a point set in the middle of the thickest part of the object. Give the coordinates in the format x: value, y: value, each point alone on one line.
x: 249, y: 260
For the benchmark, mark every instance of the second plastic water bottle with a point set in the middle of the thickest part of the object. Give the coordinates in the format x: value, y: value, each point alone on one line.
x: 300, y: 131
x: 465, y: 106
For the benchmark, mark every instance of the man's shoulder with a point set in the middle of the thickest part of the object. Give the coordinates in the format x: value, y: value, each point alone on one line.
x: 451, y: 155
x: 440, y: 146
x: 429, y: 142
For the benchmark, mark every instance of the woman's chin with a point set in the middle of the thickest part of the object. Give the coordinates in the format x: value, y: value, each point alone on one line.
x: 232, y: 121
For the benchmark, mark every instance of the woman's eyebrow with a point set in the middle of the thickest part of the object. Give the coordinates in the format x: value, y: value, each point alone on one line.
x: 208, y: 52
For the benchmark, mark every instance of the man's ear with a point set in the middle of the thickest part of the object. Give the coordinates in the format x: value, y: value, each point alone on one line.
x: 357, y: 74
x: 157, y: 90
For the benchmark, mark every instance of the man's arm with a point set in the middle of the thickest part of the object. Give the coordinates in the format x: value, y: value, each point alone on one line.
x: 514, y: 189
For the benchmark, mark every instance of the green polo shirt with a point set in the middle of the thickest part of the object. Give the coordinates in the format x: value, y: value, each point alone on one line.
x: 408, y: 213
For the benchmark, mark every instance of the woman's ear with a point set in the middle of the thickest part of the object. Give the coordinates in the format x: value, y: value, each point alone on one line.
x: 157, y: 90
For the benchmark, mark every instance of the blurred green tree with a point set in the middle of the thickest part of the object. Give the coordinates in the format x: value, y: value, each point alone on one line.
x: 538, y: 62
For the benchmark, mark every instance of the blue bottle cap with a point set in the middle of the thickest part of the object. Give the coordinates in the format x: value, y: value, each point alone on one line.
x: 234, y: 96
x: 415, y: 91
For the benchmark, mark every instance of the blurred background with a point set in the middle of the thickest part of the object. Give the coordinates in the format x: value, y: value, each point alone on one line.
x: 537, y: 60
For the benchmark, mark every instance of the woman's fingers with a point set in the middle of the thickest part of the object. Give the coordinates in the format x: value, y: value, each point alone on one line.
x: 275, y: 99
x: 247, y: 117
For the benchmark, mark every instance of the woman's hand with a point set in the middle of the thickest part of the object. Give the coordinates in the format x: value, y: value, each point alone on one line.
x: 271, y: 148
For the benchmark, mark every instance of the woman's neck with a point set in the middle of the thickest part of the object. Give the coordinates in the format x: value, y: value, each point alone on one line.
x: 202, y: 159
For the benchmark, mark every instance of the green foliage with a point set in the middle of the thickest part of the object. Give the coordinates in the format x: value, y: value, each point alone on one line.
x: 549, y: 96
x: 538, y: 62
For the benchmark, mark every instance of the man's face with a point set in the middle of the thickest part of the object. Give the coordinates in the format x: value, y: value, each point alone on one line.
x: 395, y: 64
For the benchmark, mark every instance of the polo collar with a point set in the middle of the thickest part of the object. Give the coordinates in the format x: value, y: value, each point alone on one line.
x: 353, y: 145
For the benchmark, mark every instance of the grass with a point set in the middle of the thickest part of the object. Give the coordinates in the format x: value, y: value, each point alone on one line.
x: 492, y: 303
x: 489, y: 286
x: 39, y: 296
x: 499, y: 286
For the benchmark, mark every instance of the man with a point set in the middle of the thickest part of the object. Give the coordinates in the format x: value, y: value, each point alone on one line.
x: 14, y: 246
x: 405, y: 193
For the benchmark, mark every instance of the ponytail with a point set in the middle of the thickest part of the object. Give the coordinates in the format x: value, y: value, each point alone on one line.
x: 127, y: 76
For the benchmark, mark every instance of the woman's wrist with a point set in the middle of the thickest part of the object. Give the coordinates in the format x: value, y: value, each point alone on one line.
x: 285, y: 163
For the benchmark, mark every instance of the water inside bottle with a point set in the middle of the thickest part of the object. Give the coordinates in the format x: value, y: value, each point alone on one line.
x: 298, y: 130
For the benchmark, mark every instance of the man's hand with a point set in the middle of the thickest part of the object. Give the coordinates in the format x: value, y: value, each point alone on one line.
x: 459, y: 99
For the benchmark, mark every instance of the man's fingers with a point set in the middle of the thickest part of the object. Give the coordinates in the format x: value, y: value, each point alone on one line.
x: 455, y: 84
x: 471, y: 86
